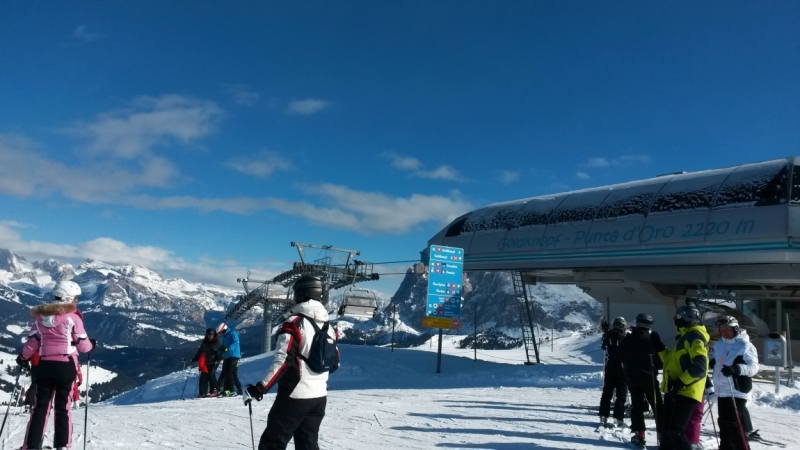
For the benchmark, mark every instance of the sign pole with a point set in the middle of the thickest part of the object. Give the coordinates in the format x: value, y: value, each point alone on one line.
x: 475, y: 333
x: 439, y: 354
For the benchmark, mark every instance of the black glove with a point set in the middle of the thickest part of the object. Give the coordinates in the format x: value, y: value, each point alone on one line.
x: 195, y: 359
x: 93, y: 342
x: 655, y: 342
x: 23, y: 363
x: 675, y: 385
x: 257, y: 391
x: 728, y: 371
x: 223, y: 349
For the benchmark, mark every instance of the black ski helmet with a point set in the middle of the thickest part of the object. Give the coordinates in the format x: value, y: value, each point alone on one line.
x: 307, y: 287
x: 687, y: 316
x: 619, y: 324
x: 644, y: 320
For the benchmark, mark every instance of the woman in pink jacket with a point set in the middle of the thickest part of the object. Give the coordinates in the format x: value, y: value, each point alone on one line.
x: 58, y: 335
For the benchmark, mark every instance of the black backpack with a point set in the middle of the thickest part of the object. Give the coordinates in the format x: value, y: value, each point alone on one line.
x: 322, y: 356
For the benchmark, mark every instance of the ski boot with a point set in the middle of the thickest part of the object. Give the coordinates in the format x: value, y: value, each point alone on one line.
x: 604, y: 422
x: 213, y: 394
x: 619, y: 423
x: 638, y: 440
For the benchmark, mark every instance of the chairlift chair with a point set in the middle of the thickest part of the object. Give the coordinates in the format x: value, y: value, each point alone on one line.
x: 359, y: 303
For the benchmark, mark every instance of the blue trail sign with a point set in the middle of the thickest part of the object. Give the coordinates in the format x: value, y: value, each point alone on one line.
x: 445, y: 272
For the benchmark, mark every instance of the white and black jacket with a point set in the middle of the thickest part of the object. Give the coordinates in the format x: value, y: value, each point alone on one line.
x: 738, y: 351
x: 288, y: 369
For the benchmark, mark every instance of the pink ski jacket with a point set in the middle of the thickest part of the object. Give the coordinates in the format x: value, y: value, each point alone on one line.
x: 57, y: 333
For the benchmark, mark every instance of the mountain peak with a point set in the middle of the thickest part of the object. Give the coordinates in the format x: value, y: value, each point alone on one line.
x: 10, y: 262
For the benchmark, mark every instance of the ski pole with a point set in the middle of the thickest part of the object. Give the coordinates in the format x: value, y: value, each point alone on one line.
x: 183, y: 391
x: 16, y: 382
x: 86, y: 411
x: 736, y: 410
x: 655, y: 400
x: 252, y: 436
x: 711, y: 413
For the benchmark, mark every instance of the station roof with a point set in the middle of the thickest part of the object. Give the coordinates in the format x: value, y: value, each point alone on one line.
x: 744, y: 214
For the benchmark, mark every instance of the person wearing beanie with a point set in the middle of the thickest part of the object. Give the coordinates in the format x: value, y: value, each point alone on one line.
x: 208, y: 358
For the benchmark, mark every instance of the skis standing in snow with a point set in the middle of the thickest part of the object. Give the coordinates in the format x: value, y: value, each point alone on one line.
x: 734, y: 361
x: 641, y: 362
x: 302, y: 393
x: 58, y: 335
x: 614, y: 377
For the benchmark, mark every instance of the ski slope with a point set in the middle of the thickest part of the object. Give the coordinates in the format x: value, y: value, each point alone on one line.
x: 394, y: 400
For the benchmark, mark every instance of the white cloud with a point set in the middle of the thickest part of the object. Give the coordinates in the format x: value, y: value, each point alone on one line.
x: 81, y: 33
x: 148, y: 122
x: 243, y: 94
x: 507, y: 176
x: 344, y: 208
x: 597, y: 162
x: 306, y: 107
x: 209, y: 270
x: 625, y: 160
x: 403, y: 162
x: 376, y: 212
x: 25, y: 172
x: 413, y: 165
x: 635, y: 159
x: 582, y: 175
x: 444, y: 172
x: 261, y: 165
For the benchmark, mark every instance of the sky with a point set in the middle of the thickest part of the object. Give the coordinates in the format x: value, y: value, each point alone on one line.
x: 199, y: 139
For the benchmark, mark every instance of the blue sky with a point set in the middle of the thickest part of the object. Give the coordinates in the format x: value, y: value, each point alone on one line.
x: 200, y: 138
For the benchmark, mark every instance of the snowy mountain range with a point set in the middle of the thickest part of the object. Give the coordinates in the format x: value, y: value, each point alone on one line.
x: 147, y: 324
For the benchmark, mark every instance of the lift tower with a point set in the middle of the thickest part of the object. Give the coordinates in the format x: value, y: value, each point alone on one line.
x: 275, y: 295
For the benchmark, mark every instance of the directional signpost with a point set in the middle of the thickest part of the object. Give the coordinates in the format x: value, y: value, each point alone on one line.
x: 445, y: 272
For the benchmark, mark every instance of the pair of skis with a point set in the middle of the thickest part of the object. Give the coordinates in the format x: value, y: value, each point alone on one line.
x: 755, y: 437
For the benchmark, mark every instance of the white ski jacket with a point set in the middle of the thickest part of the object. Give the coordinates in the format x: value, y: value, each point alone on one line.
x: 724, y: 353
x: 290, y: 371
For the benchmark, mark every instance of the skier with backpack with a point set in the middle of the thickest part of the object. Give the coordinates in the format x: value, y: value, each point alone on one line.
x: 304, y: 356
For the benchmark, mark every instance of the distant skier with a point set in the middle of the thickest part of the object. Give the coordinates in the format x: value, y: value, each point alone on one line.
x: 734, y: 362
x: 299, y: 406
x: 58, y: 334
x: 614, y: 377
x: 230, y: 364
x: 208, y: 357
x: 641, y: 362
x: 685, y: 372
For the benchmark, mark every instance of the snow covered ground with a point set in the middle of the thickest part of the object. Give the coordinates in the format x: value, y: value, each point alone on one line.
x: 394, y: 400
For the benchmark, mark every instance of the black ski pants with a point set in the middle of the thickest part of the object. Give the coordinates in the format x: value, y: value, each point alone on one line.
x: 54, y: 380
x: 613, y: 382
x: 230, y: 373
x: 208, y: 383
x: 645, y: 391
x: 293, y: 417
x: 730, y: 436
x: 678, y: 410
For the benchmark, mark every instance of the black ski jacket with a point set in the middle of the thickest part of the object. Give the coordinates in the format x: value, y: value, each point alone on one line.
x: 211, y: 350
x: 611, y: 344
x: 640, y: 353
